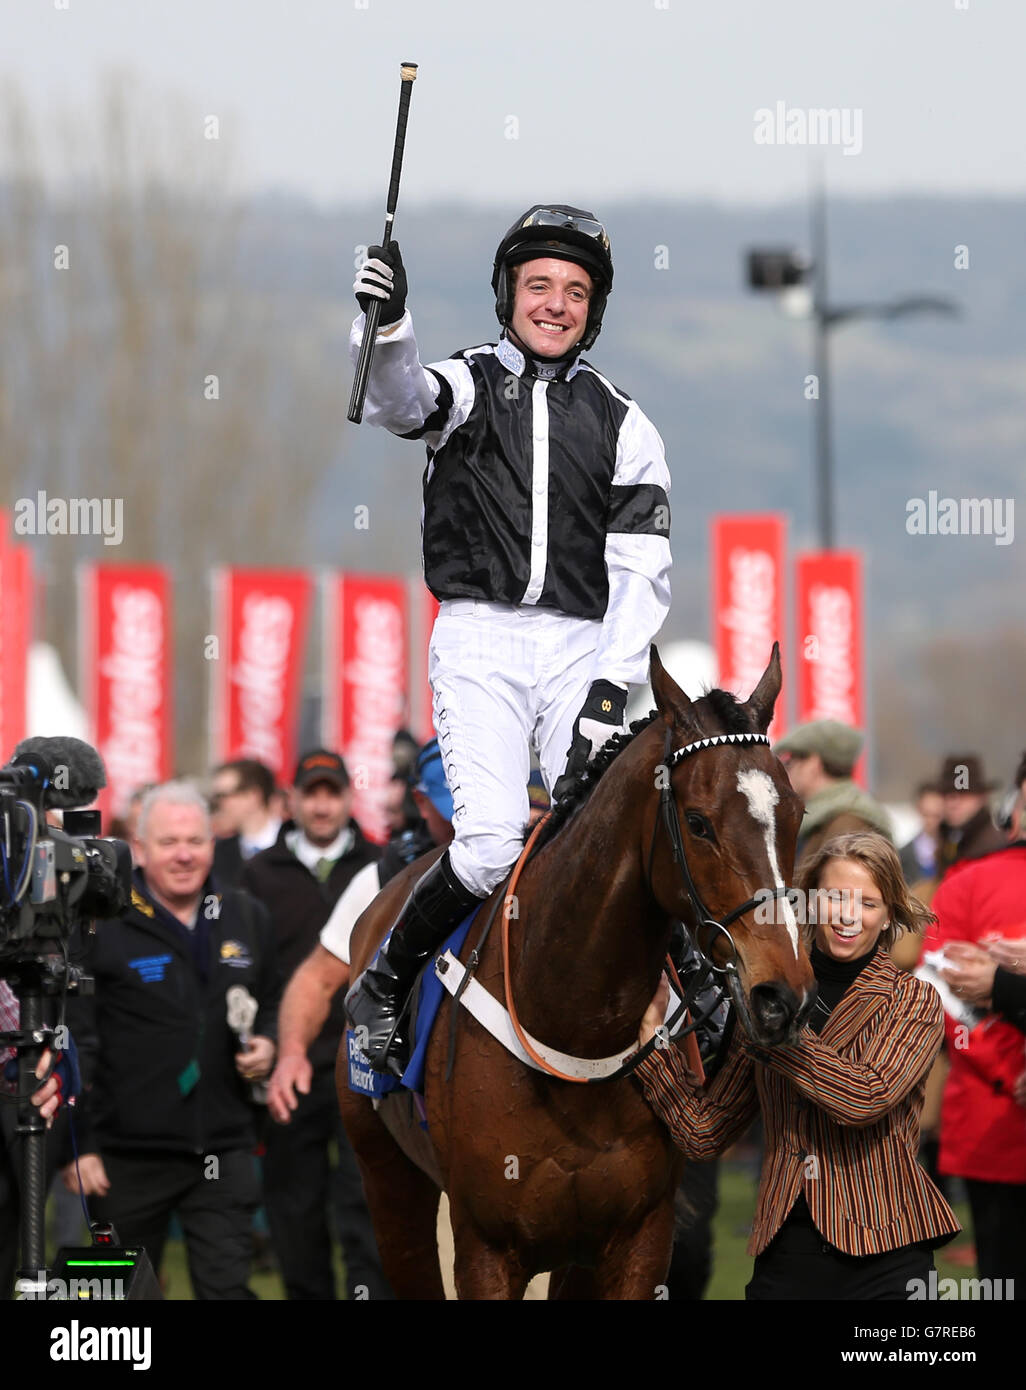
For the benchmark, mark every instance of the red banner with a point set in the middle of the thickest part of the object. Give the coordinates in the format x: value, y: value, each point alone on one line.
x: 828, y: 638
x: 16, y: 604
x: 366, y: 621
x: 260, y: 622
x: 748, y: 601
x: 126, y: 679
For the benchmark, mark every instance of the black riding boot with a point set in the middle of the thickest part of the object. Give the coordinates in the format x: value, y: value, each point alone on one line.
x: 376, y: 1002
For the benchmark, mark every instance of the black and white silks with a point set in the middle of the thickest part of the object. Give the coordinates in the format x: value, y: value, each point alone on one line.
x: 545, y: 485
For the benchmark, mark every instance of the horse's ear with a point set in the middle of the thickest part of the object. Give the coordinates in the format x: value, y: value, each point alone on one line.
x: 671, y: 701
x: 764, y: 696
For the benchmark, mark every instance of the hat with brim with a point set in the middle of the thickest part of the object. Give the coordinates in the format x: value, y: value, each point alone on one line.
x: 836, y: 743
x: 963, y: 772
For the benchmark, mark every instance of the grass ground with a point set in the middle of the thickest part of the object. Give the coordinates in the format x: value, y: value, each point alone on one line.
x: 731, y: 1266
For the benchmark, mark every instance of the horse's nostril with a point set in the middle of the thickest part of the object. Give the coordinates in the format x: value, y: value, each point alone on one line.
x: 773, y: 1007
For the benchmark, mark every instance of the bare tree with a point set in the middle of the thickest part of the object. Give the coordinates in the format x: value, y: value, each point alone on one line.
x: 140, y: 365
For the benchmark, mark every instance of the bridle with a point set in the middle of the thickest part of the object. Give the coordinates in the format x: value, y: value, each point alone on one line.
x: 667, y: 814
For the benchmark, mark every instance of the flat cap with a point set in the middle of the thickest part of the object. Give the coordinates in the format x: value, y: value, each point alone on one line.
x: 836, y: 743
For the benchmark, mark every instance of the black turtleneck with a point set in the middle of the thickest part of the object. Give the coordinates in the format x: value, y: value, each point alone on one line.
x: 834, y: 978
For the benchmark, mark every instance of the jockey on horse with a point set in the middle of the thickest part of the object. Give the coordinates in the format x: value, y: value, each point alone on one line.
x: 546, y: 541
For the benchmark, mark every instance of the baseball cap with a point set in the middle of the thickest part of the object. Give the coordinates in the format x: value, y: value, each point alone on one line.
x: 321, y: 765
x: 430, y: 779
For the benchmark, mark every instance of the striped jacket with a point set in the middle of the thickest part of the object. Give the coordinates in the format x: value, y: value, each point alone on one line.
x: 840, y: 1111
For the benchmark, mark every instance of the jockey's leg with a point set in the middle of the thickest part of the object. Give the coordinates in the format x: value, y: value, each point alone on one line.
x: 482, y: 680
x: 572, y: 643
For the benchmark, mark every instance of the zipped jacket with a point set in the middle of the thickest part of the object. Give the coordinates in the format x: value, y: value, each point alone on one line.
x: 154, y: 1037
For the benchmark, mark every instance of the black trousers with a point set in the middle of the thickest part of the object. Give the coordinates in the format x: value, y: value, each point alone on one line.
x: 302, y: 1191
x: 214, y: 1203
x: 799, y: 1264
x: 999, y: 1230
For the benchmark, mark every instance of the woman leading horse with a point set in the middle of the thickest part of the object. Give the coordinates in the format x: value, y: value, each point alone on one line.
x: 844, y: 1211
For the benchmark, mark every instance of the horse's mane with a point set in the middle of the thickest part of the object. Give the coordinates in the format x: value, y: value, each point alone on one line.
x: 725, y: 709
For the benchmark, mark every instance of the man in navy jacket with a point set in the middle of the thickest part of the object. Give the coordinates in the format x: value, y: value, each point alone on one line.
x: 169, y: 1119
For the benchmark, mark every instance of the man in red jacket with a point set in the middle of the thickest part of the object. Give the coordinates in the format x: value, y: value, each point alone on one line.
x: 981, y: 927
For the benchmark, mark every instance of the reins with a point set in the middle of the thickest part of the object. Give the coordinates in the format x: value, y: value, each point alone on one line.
x: 666, y: 814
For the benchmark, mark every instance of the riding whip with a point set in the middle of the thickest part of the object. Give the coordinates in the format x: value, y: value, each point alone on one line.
x: 408, y: 74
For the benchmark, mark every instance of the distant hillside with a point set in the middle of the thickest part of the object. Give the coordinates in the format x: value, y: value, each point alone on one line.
x: 919, y: 405
x: 927, y: 403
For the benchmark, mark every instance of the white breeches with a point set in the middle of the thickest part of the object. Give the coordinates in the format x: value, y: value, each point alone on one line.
x: 505, y: 679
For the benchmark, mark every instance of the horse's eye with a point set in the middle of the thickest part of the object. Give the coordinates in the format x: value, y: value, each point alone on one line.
x: 698, y: 826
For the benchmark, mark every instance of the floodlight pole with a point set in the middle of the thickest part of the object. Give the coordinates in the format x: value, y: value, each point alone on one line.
x: 821, y: 359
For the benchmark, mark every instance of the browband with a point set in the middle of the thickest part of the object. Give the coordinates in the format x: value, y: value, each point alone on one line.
x: 712, y: 741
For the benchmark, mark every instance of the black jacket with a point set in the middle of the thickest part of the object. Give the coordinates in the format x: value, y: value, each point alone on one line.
x: 1009, y: 997
x: 154, y: 1039
x: 299, y: 907
x: 228, y: 861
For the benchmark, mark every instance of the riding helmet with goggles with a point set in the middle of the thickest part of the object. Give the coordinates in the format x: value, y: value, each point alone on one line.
x: 565, y: 234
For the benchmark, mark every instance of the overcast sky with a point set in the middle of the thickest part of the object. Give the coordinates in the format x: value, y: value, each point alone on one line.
x: 609, y: 99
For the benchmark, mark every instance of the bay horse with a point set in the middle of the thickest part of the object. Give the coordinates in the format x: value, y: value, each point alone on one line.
x: 546, y: 1174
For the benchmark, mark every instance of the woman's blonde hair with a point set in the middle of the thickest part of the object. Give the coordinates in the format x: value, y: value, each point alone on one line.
x: 880, y: 859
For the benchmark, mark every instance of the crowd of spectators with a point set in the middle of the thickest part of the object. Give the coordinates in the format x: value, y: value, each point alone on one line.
x: 208, y: 1048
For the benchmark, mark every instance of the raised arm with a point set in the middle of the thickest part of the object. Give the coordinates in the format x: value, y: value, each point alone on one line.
x: 403, y: 396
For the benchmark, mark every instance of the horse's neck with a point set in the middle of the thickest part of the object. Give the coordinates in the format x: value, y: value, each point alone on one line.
x: 590, y: 938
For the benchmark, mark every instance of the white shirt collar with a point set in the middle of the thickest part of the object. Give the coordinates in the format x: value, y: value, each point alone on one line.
x: 263, y: 839
x: 309, y: 854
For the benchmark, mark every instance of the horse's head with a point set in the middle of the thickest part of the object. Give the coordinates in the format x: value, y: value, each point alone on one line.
x: 738, y: 822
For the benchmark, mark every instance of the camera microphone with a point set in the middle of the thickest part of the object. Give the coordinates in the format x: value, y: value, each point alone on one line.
x: 69, y: 771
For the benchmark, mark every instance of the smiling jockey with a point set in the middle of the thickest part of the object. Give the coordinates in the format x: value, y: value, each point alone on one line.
x: 546, y: 540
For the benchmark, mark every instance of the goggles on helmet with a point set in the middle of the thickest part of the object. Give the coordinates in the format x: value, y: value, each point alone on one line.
x: 587, y: 226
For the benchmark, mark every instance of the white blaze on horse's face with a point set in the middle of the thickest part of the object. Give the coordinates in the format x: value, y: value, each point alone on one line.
x: 758, y: 790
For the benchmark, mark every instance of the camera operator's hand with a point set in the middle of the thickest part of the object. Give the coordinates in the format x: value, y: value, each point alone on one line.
x: 292, y: 1074
x: 257, y: 1059
x: 48, y: 1096
x: 57, y: 1089
x: 95, y: 1182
